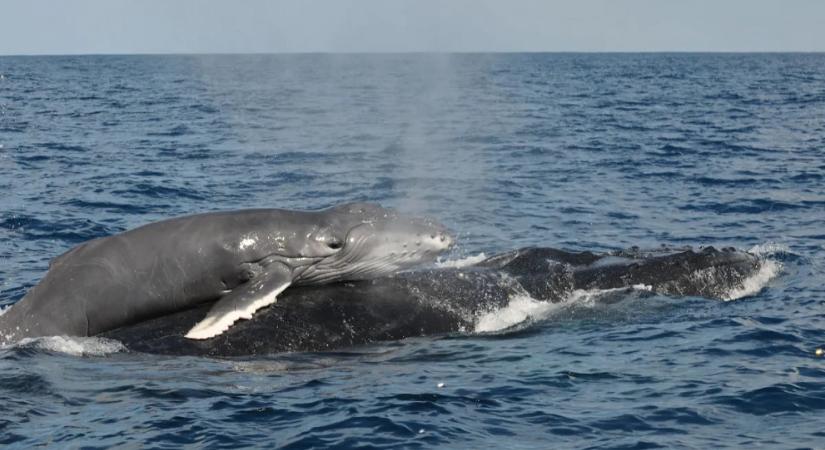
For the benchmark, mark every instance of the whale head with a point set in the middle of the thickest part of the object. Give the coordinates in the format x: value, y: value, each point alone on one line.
x: 364, y: 240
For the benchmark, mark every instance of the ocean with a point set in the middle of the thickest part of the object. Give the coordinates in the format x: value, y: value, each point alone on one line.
x: 578, y: 151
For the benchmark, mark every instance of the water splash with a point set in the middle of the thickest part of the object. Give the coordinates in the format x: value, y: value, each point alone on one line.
x: 769, y: 249
x: 519, y: 309
x: 523, y: 307
x: 461, y: 262
x: 768, y: 270
x: 75, y: 346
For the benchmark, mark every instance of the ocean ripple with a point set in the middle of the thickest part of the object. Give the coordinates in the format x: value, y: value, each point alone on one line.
x: 592, y: 152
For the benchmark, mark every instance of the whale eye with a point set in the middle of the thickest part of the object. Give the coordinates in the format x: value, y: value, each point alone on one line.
x: 335, y: 245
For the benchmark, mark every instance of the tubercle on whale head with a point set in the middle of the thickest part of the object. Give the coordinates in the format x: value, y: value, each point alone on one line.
x: 393, y: 227
x: 402, y: 236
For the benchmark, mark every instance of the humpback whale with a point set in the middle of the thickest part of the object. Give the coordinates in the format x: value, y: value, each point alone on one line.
x: 441, y: 300
x: 238, y: 261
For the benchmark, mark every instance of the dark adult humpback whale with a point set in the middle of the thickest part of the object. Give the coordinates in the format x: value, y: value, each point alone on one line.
x: 242, y: 259
x: 427, y: 302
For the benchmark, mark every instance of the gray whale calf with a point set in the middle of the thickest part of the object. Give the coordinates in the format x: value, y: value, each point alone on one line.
x: 438, y: 301
x: 240, y: 261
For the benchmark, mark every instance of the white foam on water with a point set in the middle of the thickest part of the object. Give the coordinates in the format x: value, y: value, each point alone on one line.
x: 768, y: 249
x: 519, y: 309
x: 462, y: 262
x: 76, y: 346
x: 3, y: 309
x: 768, y: 270
x: 752, y: 285
x: 523, y: 307
x: 590, y: 297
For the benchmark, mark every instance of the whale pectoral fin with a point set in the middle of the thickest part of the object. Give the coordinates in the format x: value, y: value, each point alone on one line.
x: 242, y: 302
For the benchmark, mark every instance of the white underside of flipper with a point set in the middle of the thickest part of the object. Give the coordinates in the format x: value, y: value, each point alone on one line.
x: 240, y: 303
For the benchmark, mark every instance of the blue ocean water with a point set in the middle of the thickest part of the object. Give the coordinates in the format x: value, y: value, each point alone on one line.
x: 580, y: 151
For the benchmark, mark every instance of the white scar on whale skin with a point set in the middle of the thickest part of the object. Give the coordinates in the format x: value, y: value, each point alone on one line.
x: 206, y: 329
x: 246, y: 243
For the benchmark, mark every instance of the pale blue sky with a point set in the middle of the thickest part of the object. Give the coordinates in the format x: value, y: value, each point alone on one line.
x: 246, y: 26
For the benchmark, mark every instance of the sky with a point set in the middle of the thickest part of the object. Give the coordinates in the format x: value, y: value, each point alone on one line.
x: 277, y: 26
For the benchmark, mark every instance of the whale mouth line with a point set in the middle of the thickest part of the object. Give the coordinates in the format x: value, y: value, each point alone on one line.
x: 369, y: 254
x: 352, y: 267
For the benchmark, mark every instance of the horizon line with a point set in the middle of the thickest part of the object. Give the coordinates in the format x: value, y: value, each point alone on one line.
x: 419, y: 52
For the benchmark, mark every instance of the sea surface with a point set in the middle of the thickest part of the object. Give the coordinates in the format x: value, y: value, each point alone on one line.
x: 579, y: 151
